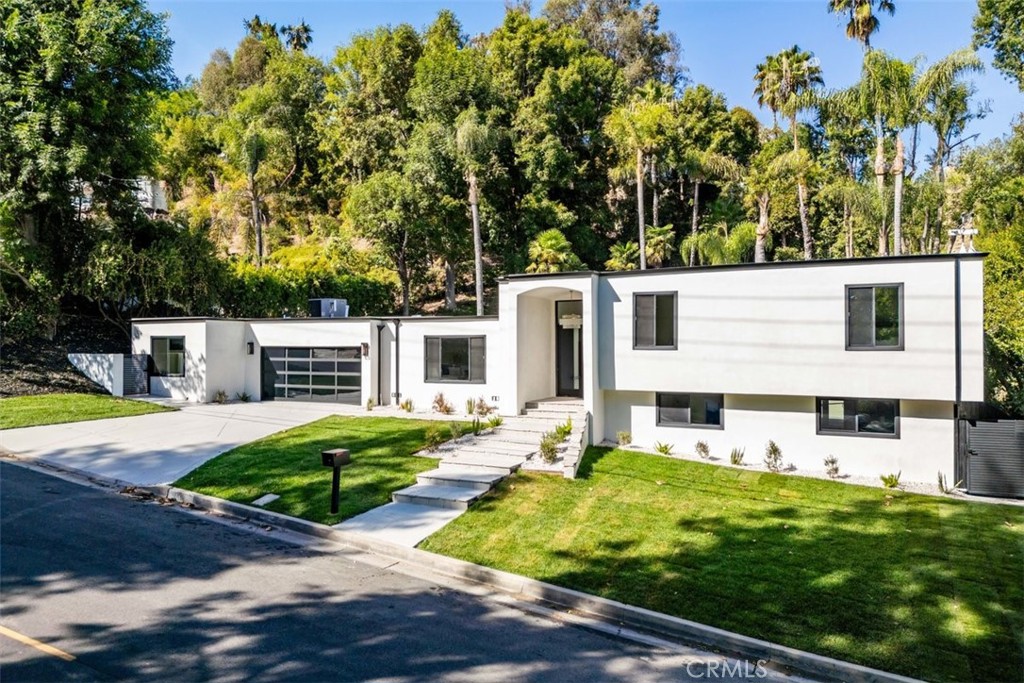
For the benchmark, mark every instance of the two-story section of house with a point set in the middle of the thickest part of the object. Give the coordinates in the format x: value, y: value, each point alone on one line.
x: 863, y: 359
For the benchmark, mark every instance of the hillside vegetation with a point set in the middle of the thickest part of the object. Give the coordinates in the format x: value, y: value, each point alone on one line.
x: 419, y: 164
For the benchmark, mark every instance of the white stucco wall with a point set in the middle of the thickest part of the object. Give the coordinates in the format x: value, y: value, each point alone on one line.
x: 412, y: 383
x: 105, y: 369
x: 191, y: 387
x: 226, y: 359
x: 781, y: 330
x: 925, y: 445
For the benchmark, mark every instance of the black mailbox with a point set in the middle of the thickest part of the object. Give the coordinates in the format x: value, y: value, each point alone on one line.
x: 336, y: 457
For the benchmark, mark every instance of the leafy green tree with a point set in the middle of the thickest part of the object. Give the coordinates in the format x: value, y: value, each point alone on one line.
x: 78, y: 80
x: 626, y: 32
x: 387, y: 208
x: 551, y: 252
x: 999, y: 25
x: 623, y: 256
x: 721, y: 245
x: 366, y: 117
x: 298, y: 37
x: 474, y: 141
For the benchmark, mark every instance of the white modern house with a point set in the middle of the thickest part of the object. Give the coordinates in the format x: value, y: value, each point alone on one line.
x: 864, y: 359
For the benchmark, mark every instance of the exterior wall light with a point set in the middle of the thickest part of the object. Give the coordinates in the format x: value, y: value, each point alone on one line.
x: 250, y: 348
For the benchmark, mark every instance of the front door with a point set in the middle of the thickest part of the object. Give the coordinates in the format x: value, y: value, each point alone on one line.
x: 569, y: 348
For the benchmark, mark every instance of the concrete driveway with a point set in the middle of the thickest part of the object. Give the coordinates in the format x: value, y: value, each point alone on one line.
x: 161, y: 447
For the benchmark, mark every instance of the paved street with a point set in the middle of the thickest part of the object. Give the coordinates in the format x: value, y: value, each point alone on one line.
x: 135, y: 590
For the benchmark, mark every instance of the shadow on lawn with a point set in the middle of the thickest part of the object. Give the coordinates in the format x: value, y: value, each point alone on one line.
x: 923, y: 586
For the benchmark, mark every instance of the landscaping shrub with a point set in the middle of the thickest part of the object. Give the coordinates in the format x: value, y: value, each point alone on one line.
x: 455, y: 429
x: 773, y: 456
x: 220, y: 396
x: 441, y: 405
x: 476, y: 426
x: 702, y: 449
x: 243, y: 396
x: 433, y: 436
x: 406, y: 405
x: 563, y: 430
x: 736, y: 456
x: 549, y: 447
x: 470, y: 406
x: 482, y: 407
x: 891, y: 481
x: 832, y: 466
x: 624, y: 438
x: 495, y: 421
x: 663, y: 448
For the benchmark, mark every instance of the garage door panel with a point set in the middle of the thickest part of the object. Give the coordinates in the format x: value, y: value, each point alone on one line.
x: 313, y: 374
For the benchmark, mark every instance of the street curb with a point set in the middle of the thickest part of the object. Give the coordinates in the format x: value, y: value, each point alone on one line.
x: 603, y: 609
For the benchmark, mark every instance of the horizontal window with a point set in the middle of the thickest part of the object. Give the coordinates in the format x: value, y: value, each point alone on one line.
x: 168, y: 355
x: 455, y: 359
x: 654, y: 321
x: 874, y: 317
x: 861, y: 416
x: 690, y: 410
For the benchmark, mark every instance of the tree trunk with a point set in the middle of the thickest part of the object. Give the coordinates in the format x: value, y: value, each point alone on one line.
x: 449, y: 286
x: 805, y: 225
x: 879, y: 163
x: 924, y: 234
x: 640, y: 207
x: 478, y: 247
x: 693, y: 219
x: 257, y: 224
x: 848, y: 227
x: 801, y: 194
x: 897, y: 205
x: 654, y: 191
x: 762, y: 227
x: 883, y: 237
x: 403, y: 274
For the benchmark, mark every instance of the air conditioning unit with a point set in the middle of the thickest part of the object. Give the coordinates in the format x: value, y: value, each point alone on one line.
x: 328, y: 308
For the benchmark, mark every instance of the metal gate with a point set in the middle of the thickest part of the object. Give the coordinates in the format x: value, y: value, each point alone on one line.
x: 136, y: 374
x: 991, y: 458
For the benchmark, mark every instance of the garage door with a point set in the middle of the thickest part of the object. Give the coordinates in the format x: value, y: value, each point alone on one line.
x: 312, y: 374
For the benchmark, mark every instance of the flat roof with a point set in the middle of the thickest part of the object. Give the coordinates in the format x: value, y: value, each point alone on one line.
x: 351, y: 319
x: 748, y: 266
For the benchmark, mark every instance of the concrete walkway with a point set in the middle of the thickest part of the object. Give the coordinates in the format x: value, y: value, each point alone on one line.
x: 159, y: 448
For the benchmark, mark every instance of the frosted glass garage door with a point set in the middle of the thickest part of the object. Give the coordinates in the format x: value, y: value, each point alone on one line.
x: 311, y: 374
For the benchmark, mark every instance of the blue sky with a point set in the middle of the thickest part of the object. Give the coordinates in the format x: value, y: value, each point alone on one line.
x: 722, y: 40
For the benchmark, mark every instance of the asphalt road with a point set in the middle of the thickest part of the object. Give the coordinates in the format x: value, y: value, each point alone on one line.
x: 134, y: 590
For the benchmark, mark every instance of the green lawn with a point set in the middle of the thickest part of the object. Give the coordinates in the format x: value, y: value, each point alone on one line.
x: 48, y: 409
x: 923, y: 586
x: 288, y: 464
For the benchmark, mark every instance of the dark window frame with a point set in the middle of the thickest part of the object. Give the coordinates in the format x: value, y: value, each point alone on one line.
x: 469, y: 350
x: 691, y: 424
x: 155, y: 370
x: 675, y: 322
x: 854, y: 433
x: 900, y: 315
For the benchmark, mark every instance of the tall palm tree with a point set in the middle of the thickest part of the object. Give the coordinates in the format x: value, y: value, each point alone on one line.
x: 474, y: 141
x: 298, y: 37
x: 862, y: 20
x: 639, y: 129
x: 699, y: 166
x: 786, y: 83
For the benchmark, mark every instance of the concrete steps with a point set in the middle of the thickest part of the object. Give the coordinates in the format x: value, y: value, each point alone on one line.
x: 482, y: 462
x: 460, y: 478
x: 451, y: 497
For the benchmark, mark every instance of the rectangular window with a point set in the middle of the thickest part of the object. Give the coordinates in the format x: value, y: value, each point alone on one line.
x: 654, y: 321
x: 690, y: 410
x: 874, y: 317
x: 455, y: 359
x: 863, y: 416
x: 168, y: 356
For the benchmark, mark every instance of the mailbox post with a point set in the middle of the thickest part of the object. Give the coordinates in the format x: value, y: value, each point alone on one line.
x: 335, y: 459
